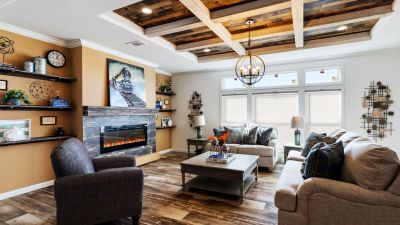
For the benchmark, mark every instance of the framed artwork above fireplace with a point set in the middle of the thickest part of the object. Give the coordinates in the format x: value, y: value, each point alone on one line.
x: 126, y: 84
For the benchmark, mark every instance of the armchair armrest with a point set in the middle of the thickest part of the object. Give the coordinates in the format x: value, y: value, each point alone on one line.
x: 113, y: 162
x: 94, y: 198
x: 273, y: 143
x: 346, y: 191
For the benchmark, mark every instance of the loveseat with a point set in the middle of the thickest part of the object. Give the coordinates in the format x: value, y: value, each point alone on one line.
x: 368, y: 192
x: 269, y: 154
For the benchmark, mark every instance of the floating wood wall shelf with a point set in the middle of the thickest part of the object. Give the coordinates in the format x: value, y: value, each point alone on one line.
x: 36, y: 76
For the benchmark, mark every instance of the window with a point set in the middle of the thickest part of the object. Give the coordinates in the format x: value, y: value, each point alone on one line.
x: 323, y: 111
x: 231, y: 83
x: 323, y: 76
x: 279, y: 79
x: 234, y: 109
x: 276, y: 109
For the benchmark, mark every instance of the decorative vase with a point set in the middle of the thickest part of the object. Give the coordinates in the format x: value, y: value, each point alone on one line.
x: 14, y: 101
x: 59, y: 131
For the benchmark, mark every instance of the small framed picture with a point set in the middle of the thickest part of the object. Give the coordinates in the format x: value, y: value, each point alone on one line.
x: 166, y: 102
x: 166, y: 122
x: 3, y: 85
x: 48, y: 120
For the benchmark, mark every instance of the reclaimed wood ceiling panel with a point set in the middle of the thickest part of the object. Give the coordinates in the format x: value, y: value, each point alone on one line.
x: 163, y: 12
x: 318, y: 9
x: 213, y: 51
x: 192, y: 35
x: 214, y: 5
x: 332, y: 31
x: 272, y: 41
x: 273, y: 19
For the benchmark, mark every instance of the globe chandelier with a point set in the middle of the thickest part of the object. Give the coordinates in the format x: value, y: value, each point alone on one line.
x: 250, y: 68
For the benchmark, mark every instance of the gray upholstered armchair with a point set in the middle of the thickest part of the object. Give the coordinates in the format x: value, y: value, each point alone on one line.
x: 91, y: 191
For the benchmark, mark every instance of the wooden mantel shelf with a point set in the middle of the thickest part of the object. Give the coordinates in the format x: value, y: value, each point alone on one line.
x: 35, y: 139
x: 116, y: 111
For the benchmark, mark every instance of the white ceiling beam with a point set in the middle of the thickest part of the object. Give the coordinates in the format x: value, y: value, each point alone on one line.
x: 298, y: 21
x: 203, y: 14
x: 337, y: 40
x: 173, y: 27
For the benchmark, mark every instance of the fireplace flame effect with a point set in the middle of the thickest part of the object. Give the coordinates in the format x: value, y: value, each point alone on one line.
x: 123, y: 142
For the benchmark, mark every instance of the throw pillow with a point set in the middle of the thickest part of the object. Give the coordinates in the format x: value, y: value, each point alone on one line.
x: 250, y: 135
x: 337, y: 133
x: 369, y: 165
x: 236, y: 135
x: 325, y: 161
x: 348, y: 137
x: 218, y: 132
x: 264, y: 135
x: 313, y: 139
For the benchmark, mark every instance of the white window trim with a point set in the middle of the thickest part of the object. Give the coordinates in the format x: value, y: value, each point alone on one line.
x: 301, y: 88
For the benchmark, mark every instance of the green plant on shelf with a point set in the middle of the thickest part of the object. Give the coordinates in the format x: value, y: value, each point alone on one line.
x: 15, y: 97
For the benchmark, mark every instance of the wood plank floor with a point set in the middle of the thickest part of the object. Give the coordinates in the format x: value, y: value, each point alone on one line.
x: 164, y: 201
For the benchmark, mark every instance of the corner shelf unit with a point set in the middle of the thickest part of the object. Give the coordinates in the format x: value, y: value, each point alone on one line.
x: 37, y: 76
x: 35, y: 108
x: 160, y: 127
x: 35, y: 140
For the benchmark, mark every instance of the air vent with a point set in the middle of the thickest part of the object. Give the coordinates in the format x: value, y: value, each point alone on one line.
x: 135, y: 43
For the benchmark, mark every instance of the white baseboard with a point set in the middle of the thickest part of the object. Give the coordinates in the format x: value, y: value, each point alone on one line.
x: 165, y: 151
x: 179, y: 150
x: 24, y: 190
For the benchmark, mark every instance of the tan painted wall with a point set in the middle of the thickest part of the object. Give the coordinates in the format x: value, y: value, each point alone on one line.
x: 95, y: 78
x: 25, y: 165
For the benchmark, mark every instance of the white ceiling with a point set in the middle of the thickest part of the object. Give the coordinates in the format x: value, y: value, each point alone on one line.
x: 80, y: 19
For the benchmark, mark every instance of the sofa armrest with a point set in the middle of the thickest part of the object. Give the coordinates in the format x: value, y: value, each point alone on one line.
x: 94, y: 198
x: 346, y: 191
x: 273, y: 143
x: 113, y: 162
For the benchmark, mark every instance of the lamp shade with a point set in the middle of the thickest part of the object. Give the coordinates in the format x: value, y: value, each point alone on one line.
x: 296, y: 122
x: 199, y: 121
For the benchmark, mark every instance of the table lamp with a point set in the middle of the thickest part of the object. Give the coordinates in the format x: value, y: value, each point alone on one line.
x: 199, y: 122
x: 297, y: 122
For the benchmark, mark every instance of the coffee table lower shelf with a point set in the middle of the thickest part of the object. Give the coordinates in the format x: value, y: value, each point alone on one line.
x: 218, y: 185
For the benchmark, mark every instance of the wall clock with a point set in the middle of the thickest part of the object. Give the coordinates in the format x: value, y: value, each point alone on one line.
x: 55, y: 59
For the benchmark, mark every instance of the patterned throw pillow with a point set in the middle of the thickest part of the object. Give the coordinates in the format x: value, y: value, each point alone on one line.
x: 218, y: 132
x: 236, y: 135
x: 313, y: 139
x: 250, y: 135
x: 325, y: 161
x: 264, y: 135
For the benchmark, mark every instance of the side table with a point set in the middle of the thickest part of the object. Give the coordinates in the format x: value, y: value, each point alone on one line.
x: 196, y: 142
x: 288, y: 147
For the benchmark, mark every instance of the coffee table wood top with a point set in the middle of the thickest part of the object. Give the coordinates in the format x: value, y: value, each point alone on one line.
x: 240, y: 163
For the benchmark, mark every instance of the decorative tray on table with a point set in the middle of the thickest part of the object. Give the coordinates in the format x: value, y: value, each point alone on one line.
x: 220, y: 159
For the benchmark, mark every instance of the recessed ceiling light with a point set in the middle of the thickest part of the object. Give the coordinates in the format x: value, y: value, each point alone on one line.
x: 207, y: 50
x: 146, y: 10
x: 342, y: 28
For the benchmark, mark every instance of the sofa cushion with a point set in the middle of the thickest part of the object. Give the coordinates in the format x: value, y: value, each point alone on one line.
x: 236, y: 134
x: 314, y: 138
x: 369, y: 165
x: 286, y: 190
x: 264, y: 135
x: 249, y: 135
x: 218, y: 132
x: 260, y: 150
x: 348, y: 137
x: 295, y: 156
x: 325, y: 161
x: 337, y: 133
x: 394, y: 188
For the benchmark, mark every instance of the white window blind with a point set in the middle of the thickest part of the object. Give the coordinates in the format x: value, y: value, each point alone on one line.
x: 234, y: 109
x: 276, y: 109
x: 323, y: 111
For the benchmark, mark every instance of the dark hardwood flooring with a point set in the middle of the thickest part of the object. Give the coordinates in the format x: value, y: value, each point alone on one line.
x: 164, y: 201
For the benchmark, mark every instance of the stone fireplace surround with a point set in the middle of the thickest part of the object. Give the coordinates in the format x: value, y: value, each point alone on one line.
x: 96, y: 116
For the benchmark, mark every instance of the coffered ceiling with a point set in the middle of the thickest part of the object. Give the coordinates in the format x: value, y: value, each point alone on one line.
x: 215, y: 30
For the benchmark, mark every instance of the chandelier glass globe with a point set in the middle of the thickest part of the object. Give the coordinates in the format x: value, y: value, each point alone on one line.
x: 250, y: 68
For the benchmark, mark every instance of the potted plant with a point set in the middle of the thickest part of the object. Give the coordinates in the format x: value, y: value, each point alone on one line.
x: 15, y: 97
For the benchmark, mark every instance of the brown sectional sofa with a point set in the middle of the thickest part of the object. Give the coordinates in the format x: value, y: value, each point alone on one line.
x: 367, y: 194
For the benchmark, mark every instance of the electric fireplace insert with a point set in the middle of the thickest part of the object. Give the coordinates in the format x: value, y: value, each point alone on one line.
x: 115, y: 138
